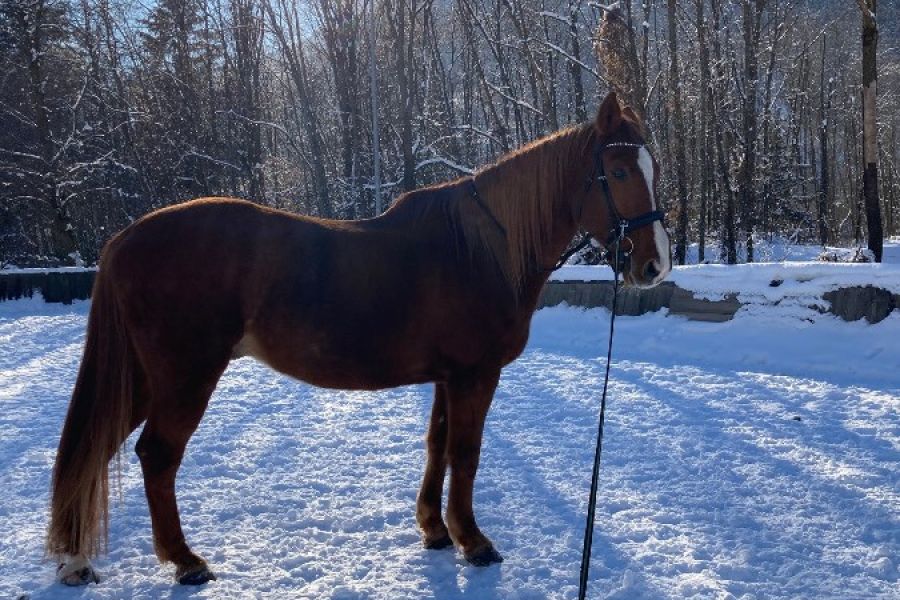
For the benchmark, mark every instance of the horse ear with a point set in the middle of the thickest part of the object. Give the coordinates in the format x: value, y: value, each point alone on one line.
x: 609, y: 117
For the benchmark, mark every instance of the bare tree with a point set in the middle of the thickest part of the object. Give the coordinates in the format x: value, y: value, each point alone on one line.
x: 107, y: 112
x: 33, y: 26
x: 287, y: 27
x: 679, y: 141
x: 247, y: 33
x: 870, y: 125
x: 825, y: 110
x: 339, y: 22
x: 751, y: 15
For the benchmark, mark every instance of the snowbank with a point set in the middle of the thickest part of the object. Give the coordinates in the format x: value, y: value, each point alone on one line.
x: 771, y: 281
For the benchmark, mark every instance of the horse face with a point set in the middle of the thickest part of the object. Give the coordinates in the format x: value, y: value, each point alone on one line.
x: 632, y: 175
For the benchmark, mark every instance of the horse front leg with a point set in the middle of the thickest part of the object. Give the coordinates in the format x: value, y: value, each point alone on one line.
x: 468, y: 400
x: 428, y: 502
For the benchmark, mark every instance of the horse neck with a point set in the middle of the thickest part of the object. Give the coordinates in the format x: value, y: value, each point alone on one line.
x: 519, y: 184
x: 533, y: 280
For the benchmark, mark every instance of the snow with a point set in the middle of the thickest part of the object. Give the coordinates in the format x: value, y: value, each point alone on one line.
x: 800, y: 282
x: 772, y: 281
x: 756, y: 458
x: 440, y: 160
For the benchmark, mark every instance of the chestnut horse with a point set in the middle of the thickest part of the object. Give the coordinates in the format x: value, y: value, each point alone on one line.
x: 441, y: 288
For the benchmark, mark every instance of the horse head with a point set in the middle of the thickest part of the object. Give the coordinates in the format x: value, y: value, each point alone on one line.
x: 619, y: 204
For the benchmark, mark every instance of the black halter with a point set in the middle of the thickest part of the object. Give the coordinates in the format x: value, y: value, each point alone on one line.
x: 620, y: 226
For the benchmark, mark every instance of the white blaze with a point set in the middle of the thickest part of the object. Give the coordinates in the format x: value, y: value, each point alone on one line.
x: 645, y: 164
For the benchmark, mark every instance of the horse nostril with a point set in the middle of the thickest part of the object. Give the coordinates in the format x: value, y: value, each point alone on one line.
x: 651, y: 270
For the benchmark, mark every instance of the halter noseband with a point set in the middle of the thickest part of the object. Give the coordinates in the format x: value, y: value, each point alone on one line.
x: 621, y: 226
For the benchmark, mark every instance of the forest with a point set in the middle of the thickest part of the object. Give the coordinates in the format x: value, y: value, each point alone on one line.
x: 110, y: 109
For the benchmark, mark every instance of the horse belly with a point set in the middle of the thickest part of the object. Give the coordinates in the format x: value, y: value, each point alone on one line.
x: 328, y: 365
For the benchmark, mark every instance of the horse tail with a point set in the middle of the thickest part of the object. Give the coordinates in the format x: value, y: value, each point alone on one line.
x: 97, y: 423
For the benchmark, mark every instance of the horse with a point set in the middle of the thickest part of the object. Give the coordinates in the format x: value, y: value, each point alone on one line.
x: 440, y: 288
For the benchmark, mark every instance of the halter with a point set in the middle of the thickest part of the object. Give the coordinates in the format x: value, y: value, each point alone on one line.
x: 620, y: 226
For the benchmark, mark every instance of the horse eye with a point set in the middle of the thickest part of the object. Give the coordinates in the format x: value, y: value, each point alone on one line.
x: 619, y: 173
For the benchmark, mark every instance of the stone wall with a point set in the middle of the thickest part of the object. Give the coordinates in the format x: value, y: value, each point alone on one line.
x: 851, y: 303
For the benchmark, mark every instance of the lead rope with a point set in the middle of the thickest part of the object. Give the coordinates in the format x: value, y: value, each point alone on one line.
x: 592, y: 502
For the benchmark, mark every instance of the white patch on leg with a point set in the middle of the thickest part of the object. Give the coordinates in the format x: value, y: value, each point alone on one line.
x: 76, y: 570
x: 660, y: 237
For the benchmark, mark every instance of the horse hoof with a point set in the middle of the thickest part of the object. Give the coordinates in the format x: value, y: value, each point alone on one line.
x: 438, y: 543
x: 197, y: 576
x: 484, y: 557
x: 77, y: 573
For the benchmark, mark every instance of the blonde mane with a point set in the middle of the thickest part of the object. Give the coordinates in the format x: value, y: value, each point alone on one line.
x: 523, y: 191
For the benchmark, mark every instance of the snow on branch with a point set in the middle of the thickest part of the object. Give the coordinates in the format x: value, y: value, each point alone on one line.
x: 867, y: 12
x: 572, y: 59
x: 447, y: 163
x: 516, y: 101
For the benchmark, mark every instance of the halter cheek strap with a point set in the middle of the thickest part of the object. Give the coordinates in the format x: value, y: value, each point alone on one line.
x: 620, y: 226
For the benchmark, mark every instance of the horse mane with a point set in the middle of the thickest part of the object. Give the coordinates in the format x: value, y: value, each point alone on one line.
x: 523, y: 191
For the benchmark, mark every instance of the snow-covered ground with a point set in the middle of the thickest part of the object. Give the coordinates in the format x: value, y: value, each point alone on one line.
x: 758, y: 458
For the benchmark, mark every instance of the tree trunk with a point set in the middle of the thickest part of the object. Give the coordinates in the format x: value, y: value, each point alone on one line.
x: 751, y: 11
x: 870, y: 128
x: 248, y: 45
x: 705, y: 135
x: 574, y: 67
x: 678, y: 119
x: 717, y: 98
x: 402, y: 19
x: 825, y: 109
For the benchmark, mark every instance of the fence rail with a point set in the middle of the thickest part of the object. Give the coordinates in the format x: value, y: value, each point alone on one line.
x: 54, y: 285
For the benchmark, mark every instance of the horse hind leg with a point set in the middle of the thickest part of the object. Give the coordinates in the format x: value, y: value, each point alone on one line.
x: 174, y: 416
x: 428, y: 503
